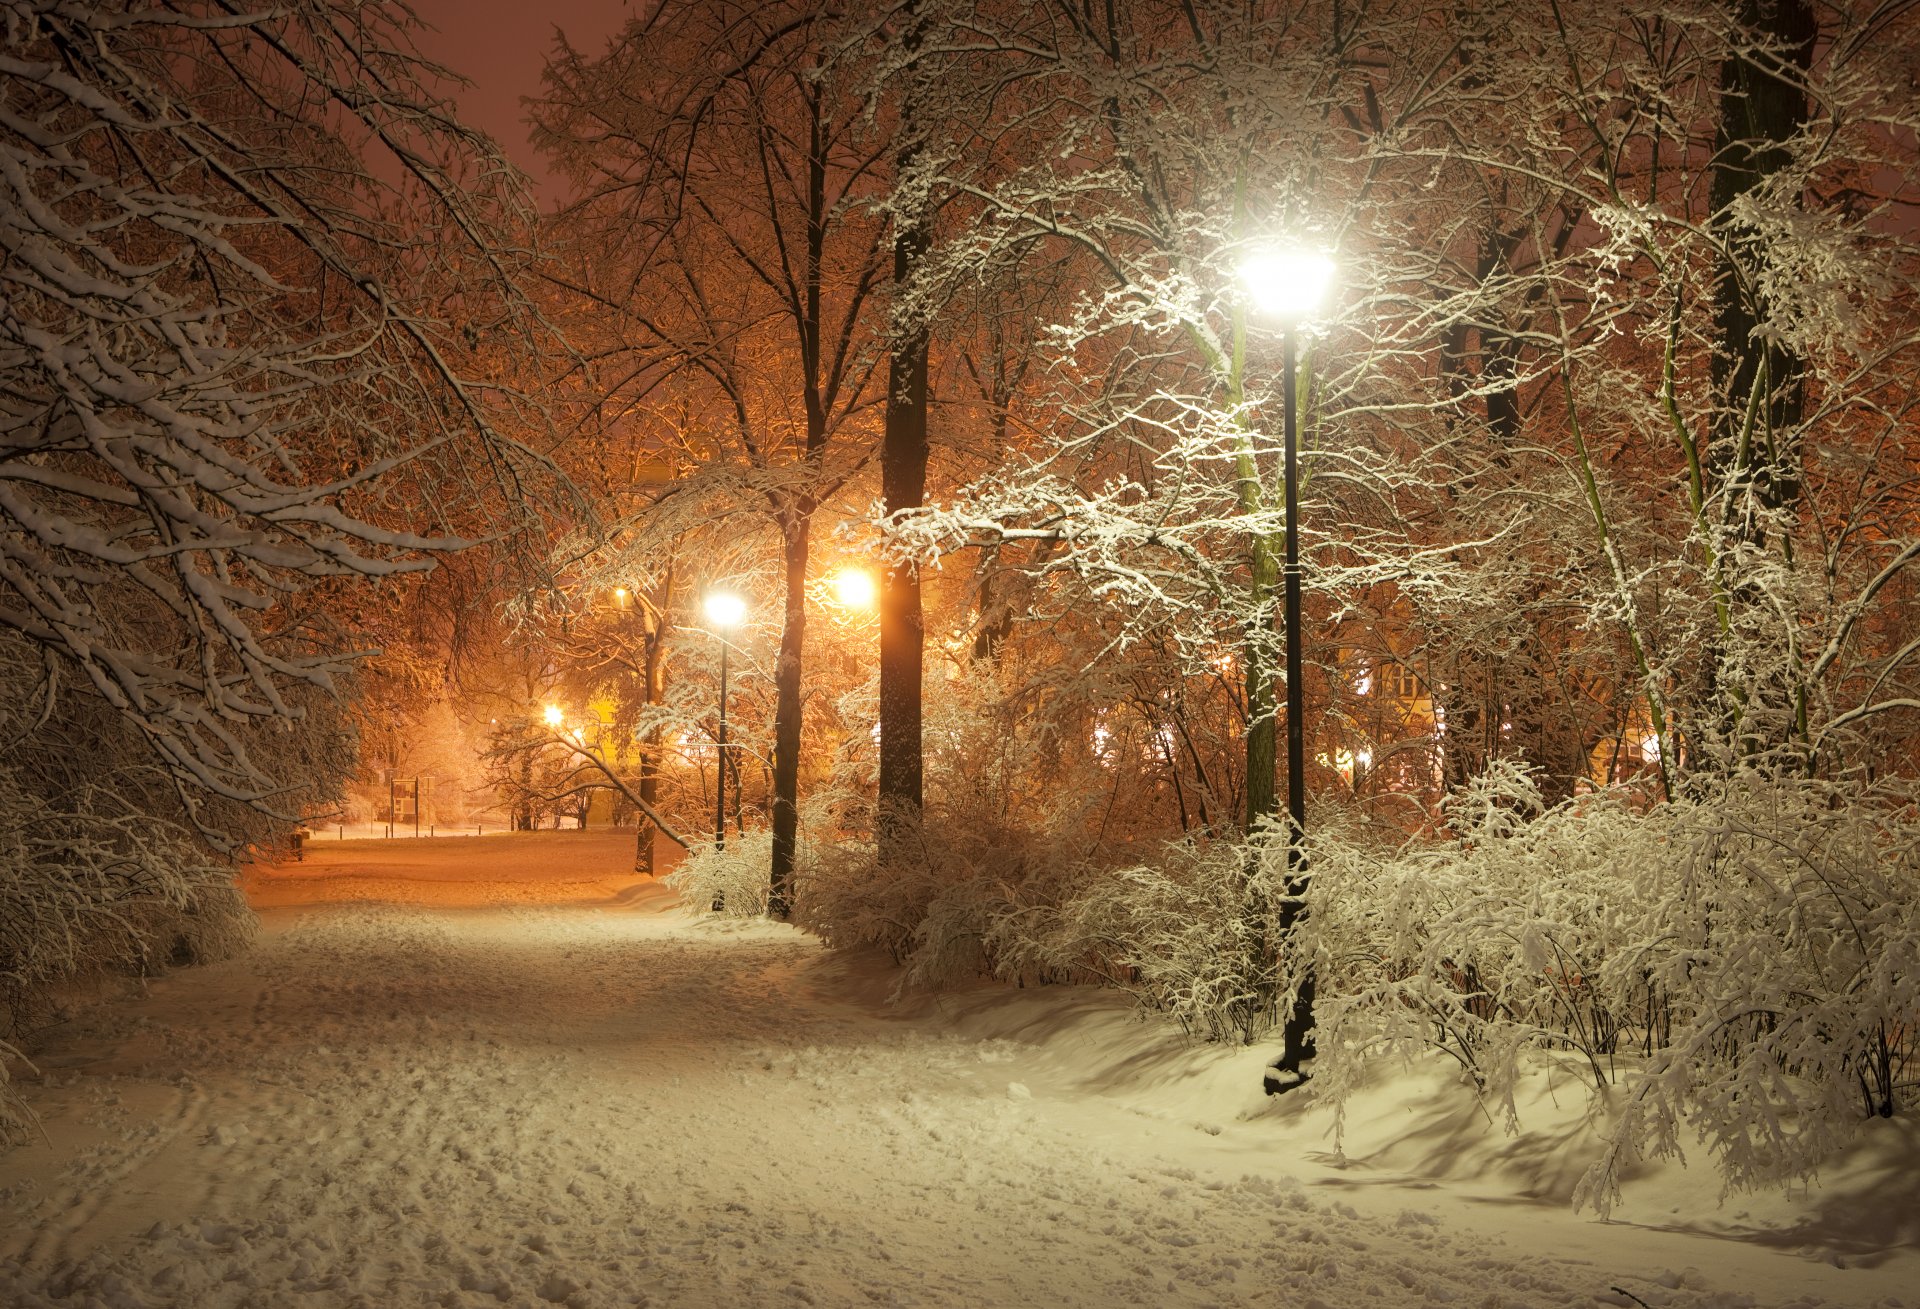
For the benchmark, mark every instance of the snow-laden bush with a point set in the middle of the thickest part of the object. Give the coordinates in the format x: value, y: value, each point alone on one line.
x: 1191, y: 934
x: 940, y: 908
x: 1021, y: 802
x: 88, y: 887
x: 1744, y: 962
x: 731, y: 881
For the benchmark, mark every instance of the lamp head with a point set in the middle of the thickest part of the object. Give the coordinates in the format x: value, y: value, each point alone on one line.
x: 1289, y: 282
x: 854, y: 588
x: 725, y: 609
x: 553, y: 715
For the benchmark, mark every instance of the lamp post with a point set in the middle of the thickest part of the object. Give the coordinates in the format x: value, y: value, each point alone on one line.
x: 1289, y: 285
x: 725, y: 610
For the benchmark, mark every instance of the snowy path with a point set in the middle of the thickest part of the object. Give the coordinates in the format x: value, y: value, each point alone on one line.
x: 392, y: 1105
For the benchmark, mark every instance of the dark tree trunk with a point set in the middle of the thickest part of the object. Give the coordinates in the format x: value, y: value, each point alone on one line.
x: 903, y: 481
x: 796, y: 523
x: 1752, y: 455
x: 902, y: 634
x: 1760, y: 111
x: 786, y: 718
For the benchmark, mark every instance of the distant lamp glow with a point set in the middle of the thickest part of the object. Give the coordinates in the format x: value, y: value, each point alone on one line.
x: 620, y: 594
x: 553, y: 715
x: 1288, y: 284
x: 725, y: 609
x: 854, y: 588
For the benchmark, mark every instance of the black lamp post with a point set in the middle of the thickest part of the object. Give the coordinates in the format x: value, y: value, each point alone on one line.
x: 1290, y: 620
x: 725, y: 610
x: 1289, y: 284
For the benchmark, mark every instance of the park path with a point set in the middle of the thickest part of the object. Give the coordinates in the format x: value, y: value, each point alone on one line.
x: 618, y: 1103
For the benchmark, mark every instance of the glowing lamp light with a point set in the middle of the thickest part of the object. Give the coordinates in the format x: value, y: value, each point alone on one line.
x: 1287, y: 284
x: 854, y: 588
x: 725, y: 609
x: 620, y: 594
x: 554, y: 716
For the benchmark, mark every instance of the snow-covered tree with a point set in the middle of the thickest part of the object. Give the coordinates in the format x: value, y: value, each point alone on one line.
x: 723, y: 239
x: 236, y: 248
x: 252, y: 273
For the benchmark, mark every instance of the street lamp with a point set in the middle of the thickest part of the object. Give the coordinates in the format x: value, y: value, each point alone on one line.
x: 1289, y: 285
x: 853, y: 588
x: 725, y: 611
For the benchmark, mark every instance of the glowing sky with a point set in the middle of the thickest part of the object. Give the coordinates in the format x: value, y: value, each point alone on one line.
x: 500, y: 46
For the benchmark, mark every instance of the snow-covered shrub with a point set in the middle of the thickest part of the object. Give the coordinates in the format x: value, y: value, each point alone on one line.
x: 88, y: 887
x: 1786, y: 928
x: 1191, y: 934
x: 939, y: 910
x: 733, y: 882
x: 1483, y: 945
x: 1019, y: 804
x: 1743, y: 961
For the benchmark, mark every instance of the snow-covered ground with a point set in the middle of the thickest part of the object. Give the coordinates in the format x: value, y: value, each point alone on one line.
x: 550, y: 1085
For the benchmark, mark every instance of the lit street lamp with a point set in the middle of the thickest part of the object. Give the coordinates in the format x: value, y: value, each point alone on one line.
x: 853, y: 588
x: 1289, y: 285
x: 725, y: 611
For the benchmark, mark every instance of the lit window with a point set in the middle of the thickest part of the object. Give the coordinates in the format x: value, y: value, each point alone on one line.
x: 1398, y: 681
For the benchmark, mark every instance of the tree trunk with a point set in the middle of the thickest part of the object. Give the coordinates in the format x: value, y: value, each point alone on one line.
x: 1757, y: 383
x: 903, y: 475
x: 786, y: 718
x: 1759, y: 112
x: 903, y: 479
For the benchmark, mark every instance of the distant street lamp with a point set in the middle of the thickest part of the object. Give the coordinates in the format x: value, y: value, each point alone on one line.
x: 1289, y: 285
x: 725, y: 611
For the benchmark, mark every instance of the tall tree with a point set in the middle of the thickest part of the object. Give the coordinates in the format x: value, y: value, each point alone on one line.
x: 248, y: 263
x: 234, y: 244
x: 1757, y: 381
x: 715, y: 144
x: 903, y: 465
x: 1163, y: 146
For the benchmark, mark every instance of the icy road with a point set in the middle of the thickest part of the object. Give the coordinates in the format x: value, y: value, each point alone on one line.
x: 609, y: 1102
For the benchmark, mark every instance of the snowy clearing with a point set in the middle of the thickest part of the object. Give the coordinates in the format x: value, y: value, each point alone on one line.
x: 556, y: 1087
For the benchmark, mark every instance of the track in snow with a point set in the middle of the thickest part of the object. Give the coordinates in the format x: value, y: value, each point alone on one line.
x: 392, y: 1105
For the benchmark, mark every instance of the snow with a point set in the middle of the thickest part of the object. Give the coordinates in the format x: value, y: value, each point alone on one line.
x: 473, y: 1083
